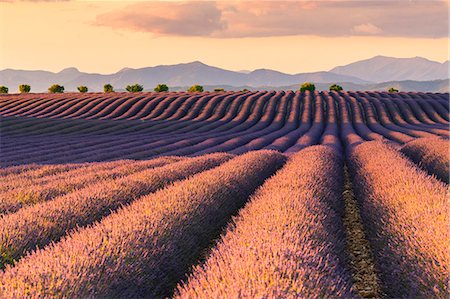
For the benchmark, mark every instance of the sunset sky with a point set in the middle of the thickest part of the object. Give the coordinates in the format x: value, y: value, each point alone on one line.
x: 289, y: 36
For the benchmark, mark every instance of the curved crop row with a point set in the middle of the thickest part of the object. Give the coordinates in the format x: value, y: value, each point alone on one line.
x: 302, y: 121
x: 351, y: 123
x: 29, y: 192
x: 145, y: 248
x: 242, y: 126
x: 405, y: 213
x: 49, y: 153
x: 375, y: 124
x: 155, y: 111
x: 419, y: 112
x: 288, y: 242
x: 283, y: 124
x: 386, y: 121
x: 128, y: 126
x: 23, y: 177
x: 38, y: 225
x: 423, y: 130
x: 417, y: 116
x: 19, y: 169
x: 331, y: 135
x: 431, y: 154
x: 315, y: 129
x: 34, y: 171
x: 271, y: 121
x: 431, y: 111
x: 144, y: 113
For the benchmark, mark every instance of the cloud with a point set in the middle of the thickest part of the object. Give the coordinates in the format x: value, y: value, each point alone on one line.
x: 240, y: 19
x: 168, y: 18
x: 12, y: 1
x: 367, y: 28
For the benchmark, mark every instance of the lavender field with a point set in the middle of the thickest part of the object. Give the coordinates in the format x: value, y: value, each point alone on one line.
x: 250, y: 194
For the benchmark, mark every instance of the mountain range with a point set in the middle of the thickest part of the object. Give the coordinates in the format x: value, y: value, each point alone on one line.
x: 416, y: 73
x: 381, y: 69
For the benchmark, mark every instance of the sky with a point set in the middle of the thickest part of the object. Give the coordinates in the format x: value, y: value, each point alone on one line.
x: 288, y: 36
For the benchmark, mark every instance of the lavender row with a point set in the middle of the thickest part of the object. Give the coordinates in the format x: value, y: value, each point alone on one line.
x: 288, y: 241
x: 405, y: 213
x: 431, y: 154
x: 27, y: 192
x: 38, y: 225
x: 143, y: 249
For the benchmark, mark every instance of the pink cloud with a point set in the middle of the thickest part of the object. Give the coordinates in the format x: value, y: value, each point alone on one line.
x: 367, y: 28
x: 171, y: 18
x: 231, y: 19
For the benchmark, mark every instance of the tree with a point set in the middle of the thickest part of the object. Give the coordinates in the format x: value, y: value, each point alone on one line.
x: 161, y: 87
x: 108, y: 88
x: 82, y: 88
x: 245, y: 90
x: 195, y: 88
x: 3, y: 89
x: 24, y: 88
x: 219, y: 89
x: 307, y: 86
x: 336, y: 87
x: 134, y: 88
x: 392, y: 89
x: 56, y: 88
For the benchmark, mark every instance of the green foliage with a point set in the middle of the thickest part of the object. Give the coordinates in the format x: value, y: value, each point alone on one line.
x: 195, y: 88
x: 307, y: 86
x: 3, y: 89
x: 336, y: 87
x: 161, y: 88
x: 24, y: 88
x: 219, y: 89
x: 108, y: 88
x: 245, y: 90
x: 134, y: 88
x: 6, y: 256
x: 392, y: 89
x: 56, y: 88
x: 82, y: 88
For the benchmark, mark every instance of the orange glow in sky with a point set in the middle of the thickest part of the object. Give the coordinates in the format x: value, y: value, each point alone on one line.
x: 99, y: 37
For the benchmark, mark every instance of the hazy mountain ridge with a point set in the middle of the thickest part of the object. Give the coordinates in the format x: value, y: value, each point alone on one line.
x: 381, y: 69
x: 362, y: 74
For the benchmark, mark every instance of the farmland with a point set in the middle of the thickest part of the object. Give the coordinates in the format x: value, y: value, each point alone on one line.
x: 249, y: 194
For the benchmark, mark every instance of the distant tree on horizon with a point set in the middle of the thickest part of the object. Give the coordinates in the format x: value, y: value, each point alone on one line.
x: 108, y: 88
x: 392, y: 89
x: 161, y: 88
x: 24, y: 88
x: 82, y: 89
x: 4, y: 89
x: 307, y: 86
x: 134, y: 88
x: 336, y: 87
x: 219, y: 89
x: 195, y: 88
x: 56, y: 88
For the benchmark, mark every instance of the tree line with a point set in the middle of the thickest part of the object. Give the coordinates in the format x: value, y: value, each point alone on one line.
x: 56, y: 88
